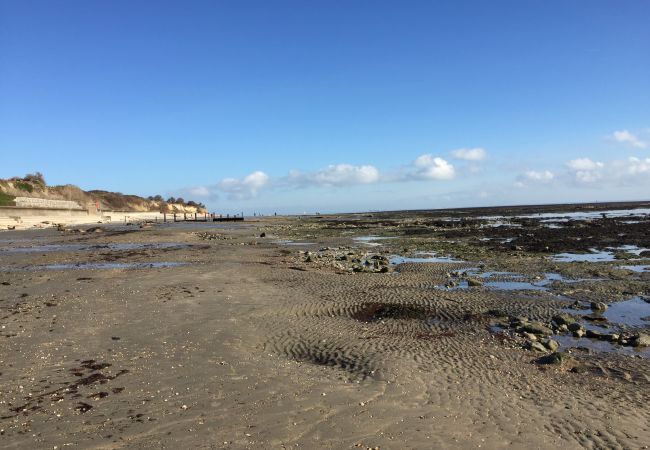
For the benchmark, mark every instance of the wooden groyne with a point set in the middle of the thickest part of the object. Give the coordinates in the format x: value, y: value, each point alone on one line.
x: 195, y: 217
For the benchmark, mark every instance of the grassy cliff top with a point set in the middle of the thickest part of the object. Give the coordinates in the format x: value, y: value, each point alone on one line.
x: 35, y: 186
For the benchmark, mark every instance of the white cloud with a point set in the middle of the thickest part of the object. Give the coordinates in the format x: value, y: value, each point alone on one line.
x: 334, y: 175
x: 544, y: 177
x: 624, y: 136
x: 200, y: 191
x: 346, y: 174
x: 631, y: 169
x: 618, y: 172
x: 470, y: 154
x: 584, y: 164
x: 535, y: 177
x: 246, y: 187
x: 433, y: 168
x: 585, y: 170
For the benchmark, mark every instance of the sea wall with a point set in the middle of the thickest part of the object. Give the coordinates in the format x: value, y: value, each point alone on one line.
x: 22, y: 218
x: 32, y: 202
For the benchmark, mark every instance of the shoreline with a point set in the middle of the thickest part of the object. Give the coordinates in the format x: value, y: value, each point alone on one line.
x: 254, y: 343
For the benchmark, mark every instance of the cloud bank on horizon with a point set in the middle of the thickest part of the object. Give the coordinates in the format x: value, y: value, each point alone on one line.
x: 441, y: 169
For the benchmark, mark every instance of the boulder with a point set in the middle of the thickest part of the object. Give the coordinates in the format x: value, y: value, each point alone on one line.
x: 530, y: 336
x: 536, y: 347
x: 473, y: 282
x: 536, y: 328
x: 551, y: 344
x: 640, y: 340
x: 564, y: 319
x: 594, y: 334
x: 598, y: 306
x: 575, y: 326
x: 553, y: 358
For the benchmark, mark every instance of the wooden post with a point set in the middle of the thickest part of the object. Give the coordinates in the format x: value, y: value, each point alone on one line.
x: 165, y: 217
x: 174, y: 217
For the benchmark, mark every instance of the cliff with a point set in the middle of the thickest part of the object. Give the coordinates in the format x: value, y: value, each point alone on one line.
x: 32, y: 191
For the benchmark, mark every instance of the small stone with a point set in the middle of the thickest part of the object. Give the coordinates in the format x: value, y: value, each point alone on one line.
x: 640, y: 340
x: 579, y: 333
x: 564, y: 319
x: 598, y: 306
x: 536, y: 347
x: 593, y: 334
x: 472, y: 282
x: 551, y: 344
x: 553, y: 358
x: 579, y: 369
x: 530, y: 336
x: 536, y: 328
x: 575, y: 326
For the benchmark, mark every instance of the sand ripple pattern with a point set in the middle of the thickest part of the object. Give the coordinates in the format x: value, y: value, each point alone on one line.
x: 399, y: 328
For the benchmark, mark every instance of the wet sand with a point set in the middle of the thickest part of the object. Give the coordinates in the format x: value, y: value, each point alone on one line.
x: 309, y: 338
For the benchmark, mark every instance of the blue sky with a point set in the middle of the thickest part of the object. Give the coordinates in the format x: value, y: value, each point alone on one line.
x: 330, y: 105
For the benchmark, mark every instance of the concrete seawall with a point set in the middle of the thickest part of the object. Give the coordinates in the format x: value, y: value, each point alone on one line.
x: 24, y: 218
x: 32, y: 202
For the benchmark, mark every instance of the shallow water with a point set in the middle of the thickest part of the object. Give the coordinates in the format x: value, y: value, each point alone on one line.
x: 86, y: 247
x: 626, y: 313
x: 425, y: 258
x: 371, y: 240
x: 582, y: 215
x: 597, y: 345
x: 107, y: 266
x: 598, y: 255
x: 640, y: 269
x: 629, y: 312
x: 515, y: 281
x: 290, y: 242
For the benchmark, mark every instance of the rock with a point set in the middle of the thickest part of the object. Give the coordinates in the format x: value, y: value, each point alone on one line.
x: 579, y: 333
x: 640, y: 340
x: 473, y: 282
x: 536, y: 347
x: 611, y: 337
x: 518, y: 321
x: 594, y: 334
x: 262, y: 235
x: 597, y: 318
x: 530, y: 336
x: 579, y: 369
x: 575, y: 326
x: 536, y: 328
x: 551, y: 344
x: 562, y: 328
x: 553, y: 358
x: 564, y: 319
x: 598, y: 306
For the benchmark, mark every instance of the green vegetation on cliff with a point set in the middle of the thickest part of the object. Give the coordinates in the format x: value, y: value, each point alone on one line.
x: 34, y: 185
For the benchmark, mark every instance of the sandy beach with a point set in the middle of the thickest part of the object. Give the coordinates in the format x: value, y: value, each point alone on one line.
x: 389, y: 331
